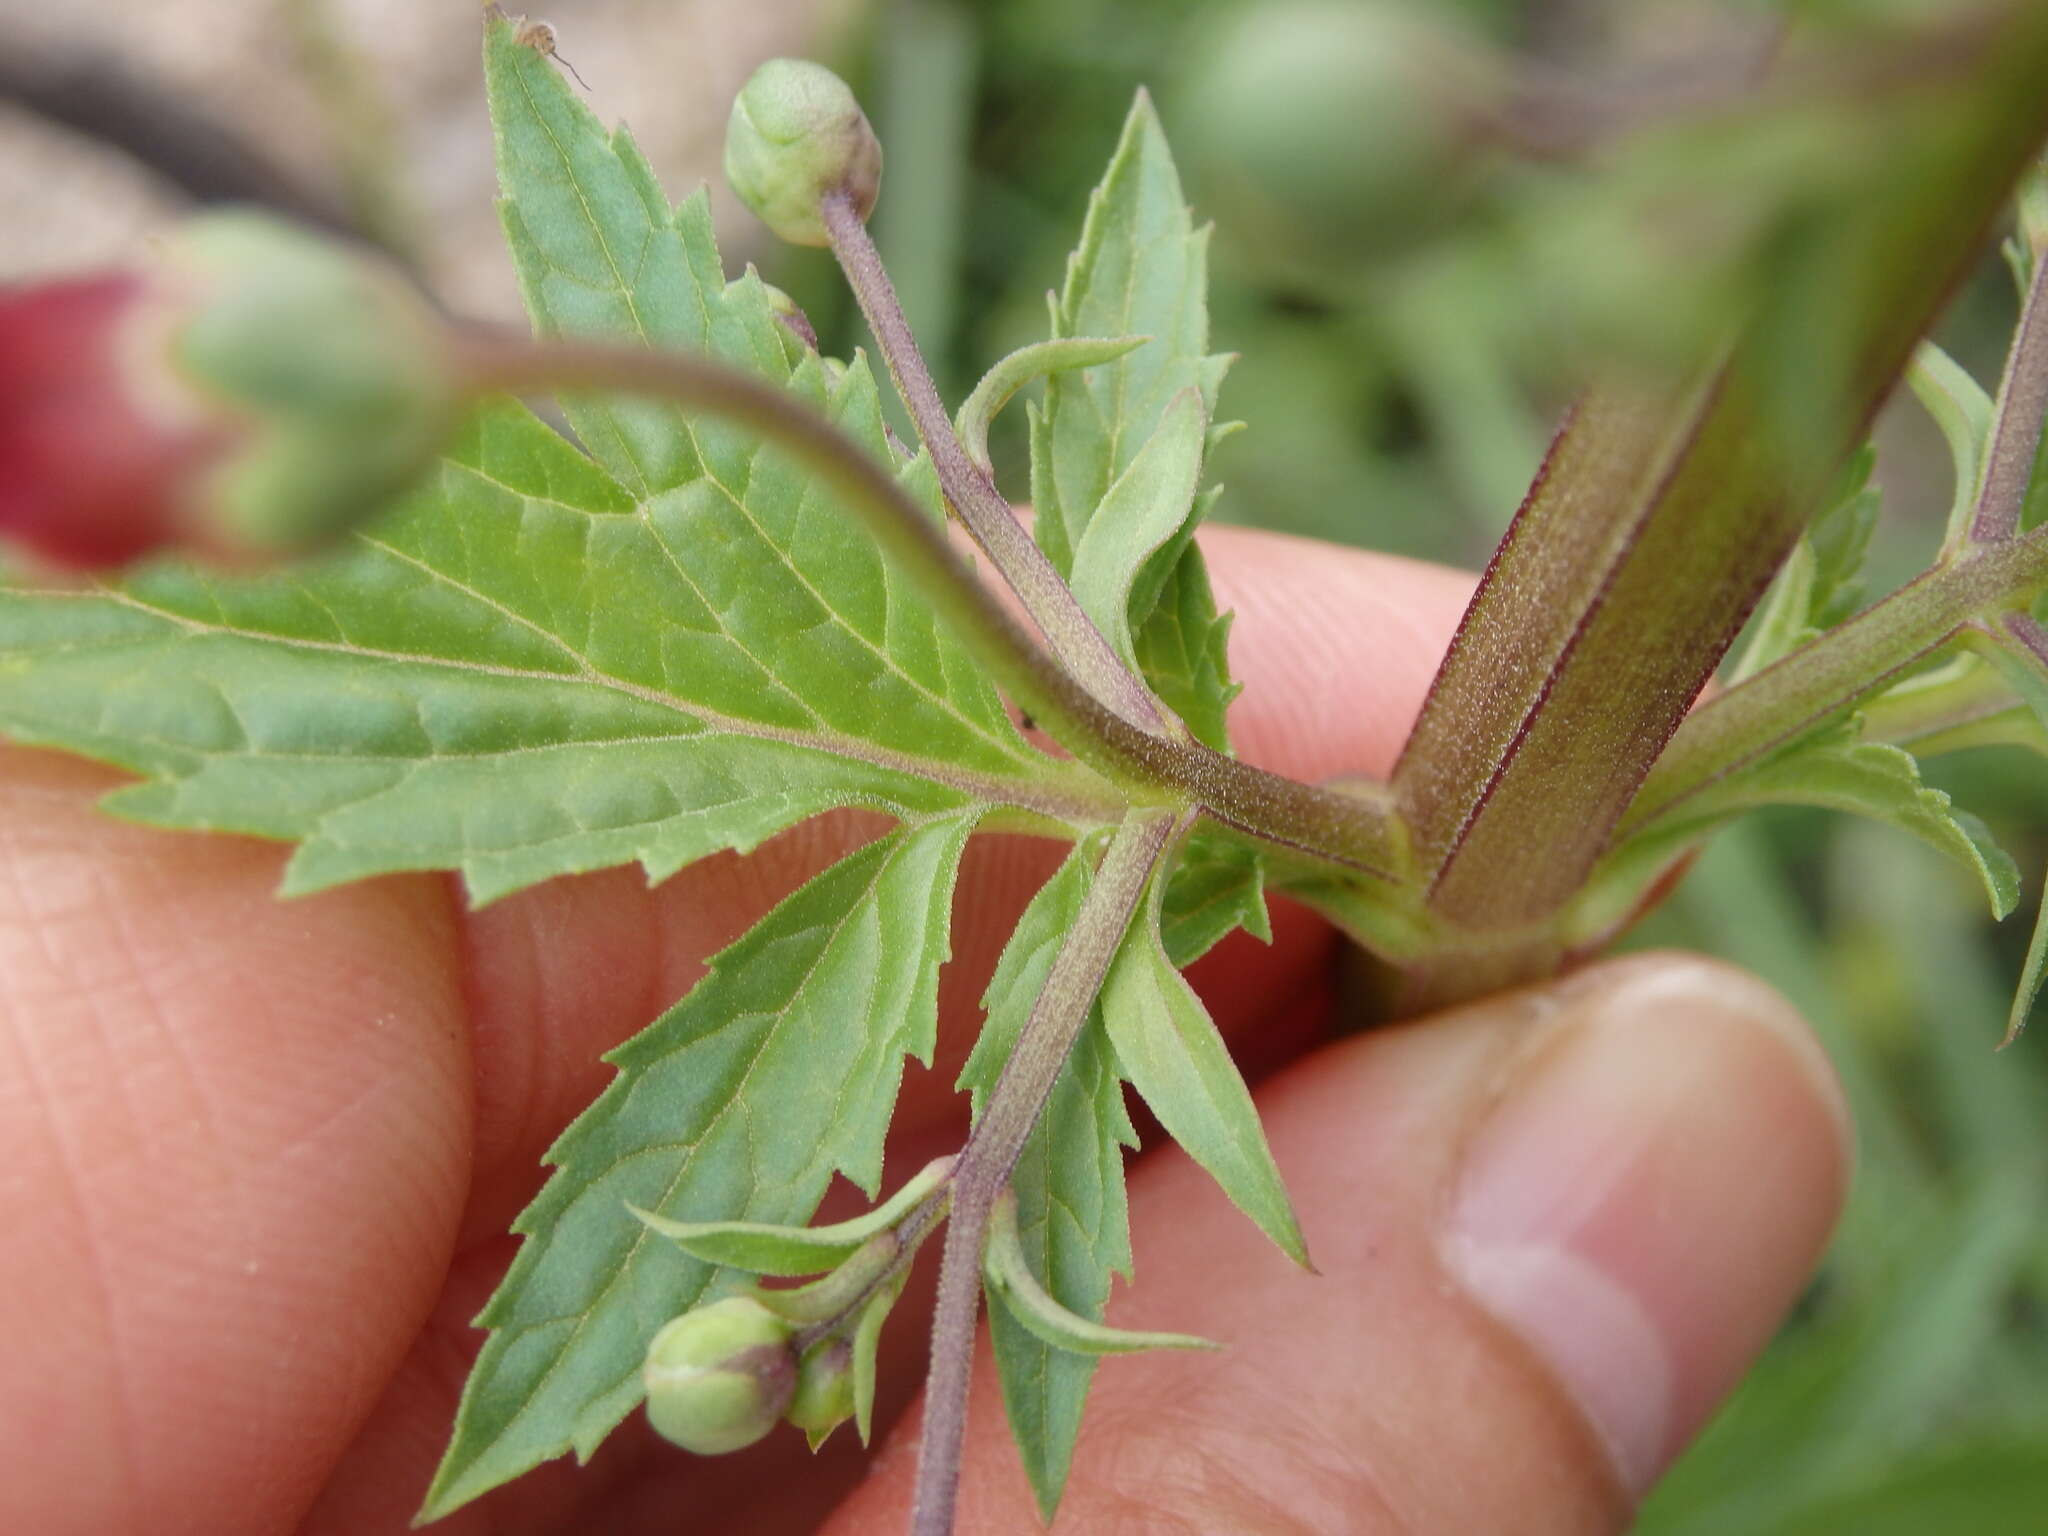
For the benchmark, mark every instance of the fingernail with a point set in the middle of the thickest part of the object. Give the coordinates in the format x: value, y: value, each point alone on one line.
x: 1648, y: 1193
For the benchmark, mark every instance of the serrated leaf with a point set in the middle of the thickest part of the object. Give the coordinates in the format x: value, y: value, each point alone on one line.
x: 1168, y: 1049
x: 1963, y: 411
x: 1146, y: 509
x: 600, y: 253
x: 1216, y: 885
x: 531, y: 669
x: 778, y: 1070
x: 1838, y: 772
x: 1016, y: 1289
x: 1073, y: 1223
x: 521, y: 676
x: 1182, y: 649
x: 1141, y: 269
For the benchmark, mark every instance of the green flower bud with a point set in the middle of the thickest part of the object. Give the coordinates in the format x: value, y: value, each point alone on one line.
x: 796, y: 133
x: 824, y: 1390
x: 331, y: 365
x: 721, y: 1376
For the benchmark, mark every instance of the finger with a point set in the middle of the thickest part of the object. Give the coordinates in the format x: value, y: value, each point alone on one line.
x: 235, y: 1142
x: 1553, y: 1230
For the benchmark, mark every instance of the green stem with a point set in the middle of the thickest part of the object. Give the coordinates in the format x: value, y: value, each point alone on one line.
x: 997, y: 1141
x: 983, y: 510
x: 1356, y: 831
x: 1837, y: 671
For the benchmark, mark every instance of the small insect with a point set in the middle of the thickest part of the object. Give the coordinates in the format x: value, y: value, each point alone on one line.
x: 540, y: 37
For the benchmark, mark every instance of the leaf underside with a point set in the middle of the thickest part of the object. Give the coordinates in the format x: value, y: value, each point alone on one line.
x: 778, y: 1070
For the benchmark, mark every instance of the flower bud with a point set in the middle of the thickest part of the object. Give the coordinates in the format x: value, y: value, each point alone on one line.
x: 720, y: 1376
x: 796, y: 133
x: 253, y: 391
x: 1333, y: 131
x: 824, y: 1390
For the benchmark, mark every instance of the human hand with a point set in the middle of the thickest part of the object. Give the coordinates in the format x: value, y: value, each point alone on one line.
x: 259, y: 1159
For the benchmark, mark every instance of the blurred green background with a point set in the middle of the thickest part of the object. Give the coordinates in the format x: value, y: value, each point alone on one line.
x: 1397, y: 398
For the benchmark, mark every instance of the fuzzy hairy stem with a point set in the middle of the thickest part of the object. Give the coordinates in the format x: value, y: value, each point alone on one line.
x: 2022, y: 414
x: 1844, y: 666
x: 1355, y: 831
x: 1663, y: 513
x: 982, y: 509
x: 997, y: 1141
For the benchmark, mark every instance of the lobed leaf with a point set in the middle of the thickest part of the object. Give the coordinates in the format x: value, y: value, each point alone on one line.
x: 521, y: 676
x: 778, y: 1070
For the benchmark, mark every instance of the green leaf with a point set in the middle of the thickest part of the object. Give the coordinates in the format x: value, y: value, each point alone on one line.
x: 1963, y: 411
x: 2031, y: 974
x: 1841, y: 773
x: 600, y: 253
x: 531, y: 668
x: 1822, y: 581
x: 1012, y: 1284
x: 1073, y: 1223
x: 763, y: 1249
x: 867, y: 1343
x: 521, y: 675
x: 1148, y: 506
x: 1182, y: 649
x: 1141, y: 269
x: 1039, y: 360
x: 778, y: 1070
x: 1168, y: 1048
x: 1217, y: 885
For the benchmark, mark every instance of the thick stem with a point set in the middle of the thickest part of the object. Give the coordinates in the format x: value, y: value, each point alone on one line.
x: 998, y: 1139
x: 984, y: 511
x: 2022, y: 414
x: 1847, y: 664
x: 1663, y: 514
x: 1356, y: 831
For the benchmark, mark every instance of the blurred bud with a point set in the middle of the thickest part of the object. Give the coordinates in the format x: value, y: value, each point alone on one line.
x: 1330, y: 131
x: 824, y: 1390
x: 720, y: 1376
x: 796, y: 133
x: 253, y: 391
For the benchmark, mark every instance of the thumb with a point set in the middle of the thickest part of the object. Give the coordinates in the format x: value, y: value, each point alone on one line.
x: 1554, y: 1228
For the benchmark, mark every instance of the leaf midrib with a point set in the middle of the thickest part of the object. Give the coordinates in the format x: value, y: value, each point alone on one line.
x: 1070, y: 801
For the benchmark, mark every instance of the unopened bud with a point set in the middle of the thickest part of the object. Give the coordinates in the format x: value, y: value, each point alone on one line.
x: 252, y: 391
x: 796, y: 133
x: 720, y: 1376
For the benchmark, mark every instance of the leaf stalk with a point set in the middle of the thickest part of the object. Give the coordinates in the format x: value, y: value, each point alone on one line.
x: 990, y: 1156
